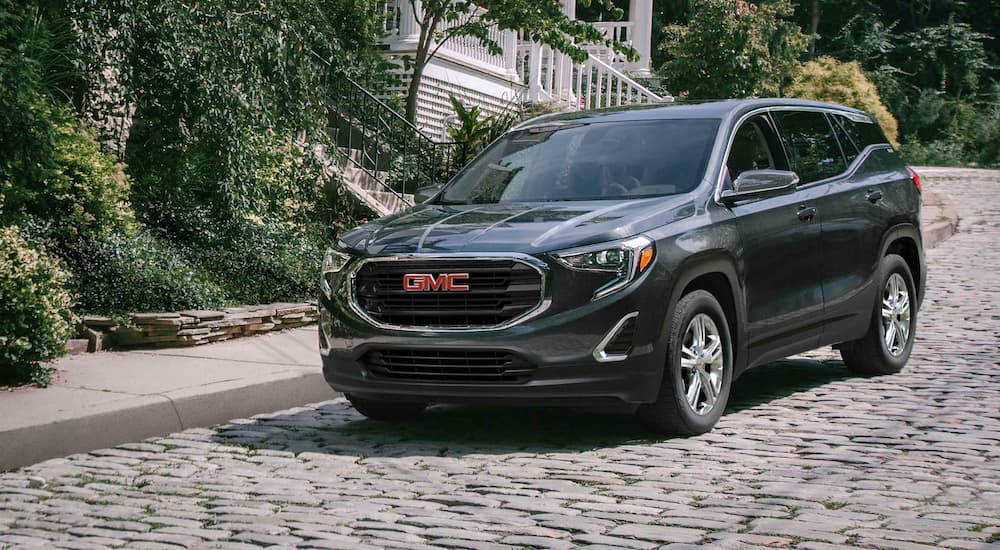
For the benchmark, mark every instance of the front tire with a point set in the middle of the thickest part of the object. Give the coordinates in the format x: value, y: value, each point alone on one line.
x: 390, y: 411
x: 886, y: 347
x: 698, y: 372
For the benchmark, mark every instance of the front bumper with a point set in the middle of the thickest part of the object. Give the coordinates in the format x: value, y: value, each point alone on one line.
x: 560, y: 344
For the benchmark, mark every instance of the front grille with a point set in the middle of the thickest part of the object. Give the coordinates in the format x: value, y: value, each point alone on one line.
x: 500, y: 290
x: 435, y: 365
x: 622, y: 342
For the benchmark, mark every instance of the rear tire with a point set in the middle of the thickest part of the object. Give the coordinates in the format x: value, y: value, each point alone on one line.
x: 390, y: 411
x: 886, y: 347
x: 698, y: 371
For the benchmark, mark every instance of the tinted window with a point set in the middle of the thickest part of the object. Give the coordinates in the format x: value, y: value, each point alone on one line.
x: 754, y: 148
x: 810, y: 142
x: 848, y: 144
x: 589, y: 161
x: 862, y: 133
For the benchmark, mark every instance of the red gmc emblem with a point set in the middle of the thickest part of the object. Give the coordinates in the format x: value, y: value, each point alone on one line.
x: 445, y: 282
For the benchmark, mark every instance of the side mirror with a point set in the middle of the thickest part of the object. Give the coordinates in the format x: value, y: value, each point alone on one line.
x: 425, y: 194
x: 760, y: 184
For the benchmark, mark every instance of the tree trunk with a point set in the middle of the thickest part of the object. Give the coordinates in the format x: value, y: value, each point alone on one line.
x: 813, y: 28
x: 413, y: 90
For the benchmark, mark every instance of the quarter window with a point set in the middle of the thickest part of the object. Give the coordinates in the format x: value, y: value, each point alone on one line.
x: 811, y: 144
x: 862, y: 133
x: 848, y: 143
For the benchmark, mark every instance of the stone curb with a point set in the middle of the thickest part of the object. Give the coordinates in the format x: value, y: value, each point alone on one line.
x: 936, y: 233
x: 137, y: 417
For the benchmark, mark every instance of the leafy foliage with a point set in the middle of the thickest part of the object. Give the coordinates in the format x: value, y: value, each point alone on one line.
x: 65, y: 177
x: 949, y: 58
x: 219, y: 85
x: 475, y: 130
x: 35, y: 318
x: 936, y: 66
x: 128, y: 271
x: 223, y: 100
x: 732, y: 48
x: 254, y: 260
x: 826, y: 79
x: 50, y: 165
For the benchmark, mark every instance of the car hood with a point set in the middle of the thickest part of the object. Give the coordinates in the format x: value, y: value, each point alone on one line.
x: 528, y: 228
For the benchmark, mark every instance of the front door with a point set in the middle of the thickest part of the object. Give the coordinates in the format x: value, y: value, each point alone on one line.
x: 782, y: 251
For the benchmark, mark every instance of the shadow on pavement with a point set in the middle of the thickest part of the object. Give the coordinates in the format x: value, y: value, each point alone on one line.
x: 457, y: 430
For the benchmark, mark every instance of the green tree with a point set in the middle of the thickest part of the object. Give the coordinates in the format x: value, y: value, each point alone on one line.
x: 949, y: 58
x: 541, y: 21
x: 732, y: 48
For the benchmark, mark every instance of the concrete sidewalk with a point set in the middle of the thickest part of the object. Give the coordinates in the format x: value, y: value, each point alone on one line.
x: 104, y: 399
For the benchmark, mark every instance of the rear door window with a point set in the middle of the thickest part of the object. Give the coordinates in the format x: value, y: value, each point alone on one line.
x: 810, y: 142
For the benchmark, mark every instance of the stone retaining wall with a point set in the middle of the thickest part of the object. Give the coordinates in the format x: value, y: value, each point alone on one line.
x: 192, y: 328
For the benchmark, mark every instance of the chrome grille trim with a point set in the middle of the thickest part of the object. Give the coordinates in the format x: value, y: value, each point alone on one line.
x: 544, y: 301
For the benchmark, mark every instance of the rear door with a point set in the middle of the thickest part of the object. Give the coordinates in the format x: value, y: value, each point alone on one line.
x: 857, y: 210
x: 782, y: 251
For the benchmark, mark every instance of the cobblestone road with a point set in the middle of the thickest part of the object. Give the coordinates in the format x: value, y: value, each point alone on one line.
x: 807, y: 457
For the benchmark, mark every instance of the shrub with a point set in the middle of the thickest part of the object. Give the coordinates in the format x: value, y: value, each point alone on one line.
x: 219, y: 86
x: 934, y: 153
x: 35, y: 318
x: 263, y: 261
x: 827, y: 79
x: 53, y: 168
x: 135, y: 271
x: 252, y: 259
x: 474, y: 129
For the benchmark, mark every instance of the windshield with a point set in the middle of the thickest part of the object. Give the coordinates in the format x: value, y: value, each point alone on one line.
x: 588, y: 161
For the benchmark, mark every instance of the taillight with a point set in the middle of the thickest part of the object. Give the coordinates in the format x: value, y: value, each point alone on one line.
x: 916, y: 179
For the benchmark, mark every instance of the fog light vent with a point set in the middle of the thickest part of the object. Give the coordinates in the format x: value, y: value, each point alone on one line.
x: 617, y: 344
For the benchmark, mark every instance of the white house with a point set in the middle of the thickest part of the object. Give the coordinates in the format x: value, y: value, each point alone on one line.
x: 526, y: 71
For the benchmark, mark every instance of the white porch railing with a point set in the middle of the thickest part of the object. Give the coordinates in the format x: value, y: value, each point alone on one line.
x: 400, y: 26
x: 617, y: 31
x: 551, y: 75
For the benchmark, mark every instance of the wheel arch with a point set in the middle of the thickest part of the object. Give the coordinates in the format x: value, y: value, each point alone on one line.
x: 716, y: 274
x: 905, y: 240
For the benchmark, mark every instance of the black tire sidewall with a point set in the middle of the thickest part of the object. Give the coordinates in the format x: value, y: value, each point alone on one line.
x: 691, y: 305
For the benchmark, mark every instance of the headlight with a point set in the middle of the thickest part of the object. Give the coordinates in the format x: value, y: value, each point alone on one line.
x: 333, y: 262
x: 627, y: 259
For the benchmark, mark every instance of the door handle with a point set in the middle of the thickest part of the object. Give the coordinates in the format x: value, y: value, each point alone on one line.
x: 807, y: 213
x: 873, y: 195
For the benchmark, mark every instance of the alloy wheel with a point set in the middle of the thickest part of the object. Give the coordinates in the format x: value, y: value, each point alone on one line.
x: 702, y: 364
x: 895, y: 315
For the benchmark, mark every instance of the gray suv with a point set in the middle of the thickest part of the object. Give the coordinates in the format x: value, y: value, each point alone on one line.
x: 642, y: 257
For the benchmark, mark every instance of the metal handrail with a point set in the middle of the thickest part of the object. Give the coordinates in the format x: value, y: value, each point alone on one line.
x: 386, y: 142
x: 392, y: 151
